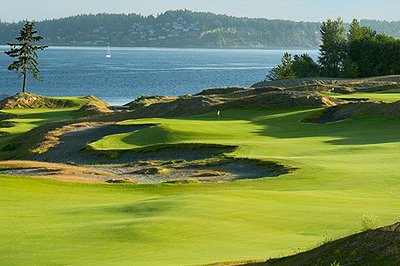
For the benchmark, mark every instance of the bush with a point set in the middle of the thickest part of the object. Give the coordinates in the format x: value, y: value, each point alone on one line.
x: 153, y: 171
x: 299, y: 66
x: 121, y: 181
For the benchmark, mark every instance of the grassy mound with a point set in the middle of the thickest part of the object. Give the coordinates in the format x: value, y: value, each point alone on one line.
x: 94, y: 106
x: 218, y: 99
x: 359, y: 109
x: 374, y: 247
x: 374, y: 84
x: 31, y: 101
x: 149, y: 100
x: 110, y: 146
x: 89, y: 105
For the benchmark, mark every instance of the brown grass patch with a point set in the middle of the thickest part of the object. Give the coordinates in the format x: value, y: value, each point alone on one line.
x: 209, y: 173
x: 72, y: 179
x: 53, y: 168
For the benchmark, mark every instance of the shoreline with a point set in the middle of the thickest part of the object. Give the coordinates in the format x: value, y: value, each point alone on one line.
x: 160, y: 48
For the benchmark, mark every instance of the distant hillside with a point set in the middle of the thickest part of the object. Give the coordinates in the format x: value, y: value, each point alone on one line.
x: 181, y: 28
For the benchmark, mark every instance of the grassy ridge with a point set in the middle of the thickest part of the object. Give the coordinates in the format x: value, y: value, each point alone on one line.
x: 347, y: 170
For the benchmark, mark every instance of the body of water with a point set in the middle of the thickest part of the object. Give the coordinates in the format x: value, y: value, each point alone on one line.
x: 132, y: 72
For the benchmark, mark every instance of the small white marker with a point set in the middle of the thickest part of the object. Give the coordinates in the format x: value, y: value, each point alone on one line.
x: 219, y: 115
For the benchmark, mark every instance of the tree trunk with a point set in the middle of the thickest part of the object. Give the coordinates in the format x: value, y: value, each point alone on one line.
x: 24, y: 84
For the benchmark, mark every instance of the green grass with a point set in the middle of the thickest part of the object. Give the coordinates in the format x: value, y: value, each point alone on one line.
x: 347, y: 170
x: 27, y: 119
x: 387, y: 96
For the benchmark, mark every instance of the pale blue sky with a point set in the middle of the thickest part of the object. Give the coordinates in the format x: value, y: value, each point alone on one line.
x: 305, y: 10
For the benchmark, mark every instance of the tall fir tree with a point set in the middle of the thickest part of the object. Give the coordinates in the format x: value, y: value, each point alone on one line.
x: 333, y: 47
x: 284, y: 70
x: 25, y: 52
x: 357, y: 32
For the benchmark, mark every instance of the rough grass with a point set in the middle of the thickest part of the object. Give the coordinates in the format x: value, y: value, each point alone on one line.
x: 183, y: 181
x: 378, y: 247
x: 347, y: 170
x: 154, y: 171
x: 206, y: 173
x: 32, y: 101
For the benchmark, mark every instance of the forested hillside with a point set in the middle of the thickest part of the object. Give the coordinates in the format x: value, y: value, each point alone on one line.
x: 181, y: 28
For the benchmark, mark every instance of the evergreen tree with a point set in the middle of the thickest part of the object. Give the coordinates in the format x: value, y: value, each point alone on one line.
x: 357, y: 32
x: 332, y: 49
x: 358, y: 45
x: 284, y: 70
x: 304, y: 66
x: 25, y: 52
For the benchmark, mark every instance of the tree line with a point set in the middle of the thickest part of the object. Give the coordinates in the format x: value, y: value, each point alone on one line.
x: 180, y: 28
x: 358, y: 52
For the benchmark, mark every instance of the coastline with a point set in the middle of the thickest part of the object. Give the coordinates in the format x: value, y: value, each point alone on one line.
x: 161, y: 48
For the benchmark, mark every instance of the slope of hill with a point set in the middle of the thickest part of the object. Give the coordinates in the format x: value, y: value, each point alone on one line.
x: 182, y: 28
x: 172, y: 29
x: 374, y: 247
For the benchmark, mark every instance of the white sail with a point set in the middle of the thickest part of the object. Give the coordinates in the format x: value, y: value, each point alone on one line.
x: 108, y: 55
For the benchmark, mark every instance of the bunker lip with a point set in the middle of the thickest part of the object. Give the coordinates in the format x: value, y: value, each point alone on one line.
x: 221, y: 169
x: 195, y: 162
x: 73, y: 148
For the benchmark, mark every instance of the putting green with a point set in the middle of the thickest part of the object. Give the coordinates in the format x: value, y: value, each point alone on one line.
x: 348, y: 174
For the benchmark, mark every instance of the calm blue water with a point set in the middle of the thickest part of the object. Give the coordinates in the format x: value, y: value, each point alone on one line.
x: 132, y: 72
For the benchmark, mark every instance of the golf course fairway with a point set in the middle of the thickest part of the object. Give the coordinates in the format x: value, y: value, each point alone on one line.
x: 346, y: 180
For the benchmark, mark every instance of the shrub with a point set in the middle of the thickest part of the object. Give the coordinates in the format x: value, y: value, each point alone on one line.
x: 153, y: 171
x: 209, y: 173
x: 121, y: 181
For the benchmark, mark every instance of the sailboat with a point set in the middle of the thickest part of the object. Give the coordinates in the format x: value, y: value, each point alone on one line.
x: 108, y: 55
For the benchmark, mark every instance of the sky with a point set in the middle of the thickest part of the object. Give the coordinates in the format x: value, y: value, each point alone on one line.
x: 298, y: 10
